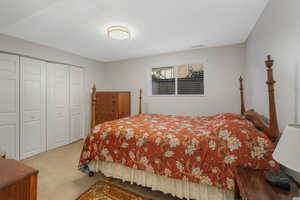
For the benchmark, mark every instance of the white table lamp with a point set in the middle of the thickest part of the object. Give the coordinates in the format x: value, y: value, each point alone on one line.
x: 287, y: 151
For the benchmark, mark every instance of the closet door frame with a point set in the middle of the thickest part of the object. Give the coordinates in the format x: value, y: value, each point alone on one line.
x: 29, y: 73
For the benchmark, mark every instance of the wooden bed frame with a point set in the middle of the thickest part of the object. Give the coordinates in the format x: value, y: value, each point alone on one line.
x: 270, y: 128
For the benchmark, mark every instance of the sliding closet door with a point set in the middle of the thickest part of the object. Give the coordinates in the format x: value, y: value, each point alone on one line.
x: 76, y: 103
x: 9, y: 105
x: 32, y: 107
x: 57, y: 105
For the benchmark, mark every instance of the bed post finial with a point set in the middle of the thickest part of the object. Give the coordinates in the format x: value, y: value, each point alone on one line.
x: 140, y: 101
x: 93, y: 109
x: 242, y: 96
x: 274, y: 130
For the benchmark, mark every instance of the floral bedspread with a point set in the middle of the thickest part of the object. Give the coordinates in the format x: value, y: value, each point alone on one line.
x: 196, y: 149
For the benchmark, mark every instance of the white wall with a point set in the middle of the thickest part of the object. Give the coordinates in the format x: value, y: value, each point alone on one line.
x: 277, y: 33
x: 93, y: 69
x: 223, y: 66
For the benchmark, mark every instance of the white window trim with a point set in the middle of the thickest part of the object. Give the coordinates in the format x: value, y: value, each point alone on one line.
x: 149, y: 76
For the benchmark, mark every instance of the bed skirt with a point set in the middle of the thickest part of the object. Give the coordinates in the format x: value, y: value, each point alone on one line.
x: 179, y: 188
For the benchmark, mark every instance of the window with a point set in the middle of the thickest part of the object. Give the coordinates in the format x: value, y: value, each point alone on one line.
x: 178, y: 80
x: 163, y: 81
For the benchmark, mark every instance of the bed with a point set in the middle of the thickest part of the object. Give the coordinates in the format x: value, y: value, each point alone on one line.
x: 188, y: 157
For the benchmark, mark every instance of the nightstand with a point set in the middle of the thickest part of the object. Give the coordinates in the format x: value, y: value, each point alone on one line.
x: 252, y: 186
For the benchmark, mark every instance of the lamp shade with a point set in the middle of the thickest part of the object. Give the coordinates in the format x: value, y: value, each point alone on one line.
x: 287, y: 151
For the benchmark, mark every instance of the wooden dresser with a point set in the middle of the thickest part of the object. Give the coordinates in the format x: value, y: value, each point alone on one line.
x: 112, y: 105
x: 17, y: 181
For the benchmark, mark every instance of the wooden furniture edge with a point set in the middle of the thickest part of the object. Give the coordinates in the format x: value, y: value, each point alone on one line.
x: 251, y: 184
x: 14, y: 163
x: 242, y: 96
x: 33, y: 187
x: 271, y: 129
x: 140, y: 101
x: 93, y: 109
x: 274, y: 130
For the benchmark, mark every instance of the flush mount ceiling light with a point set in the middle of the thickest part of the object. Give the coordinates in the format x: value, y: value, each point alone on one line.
x: 118, y: 33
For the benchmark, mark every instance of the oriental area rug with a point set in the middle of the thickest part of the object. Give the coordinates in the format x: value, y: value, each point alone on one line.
x: 105, y: 190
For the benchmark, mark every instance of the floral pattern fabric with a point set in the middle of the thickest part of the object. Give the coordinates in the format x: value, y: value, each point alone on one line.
x: 196, y: 149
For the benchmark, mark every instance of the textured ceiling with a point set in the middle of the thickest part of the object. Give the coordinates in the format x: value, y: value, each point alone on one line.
x: 157, y: 26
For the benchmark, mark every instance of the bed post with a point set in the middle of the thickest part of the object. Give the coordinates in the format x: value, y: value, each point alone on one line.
x: 242, y: 96
x: 93, y: 109
x: 274, y: 131
x: 140, y: 101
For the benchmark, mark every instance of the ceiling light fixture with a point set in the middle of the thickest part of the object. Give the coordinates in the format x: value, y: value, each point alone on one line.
x: 118, y: 33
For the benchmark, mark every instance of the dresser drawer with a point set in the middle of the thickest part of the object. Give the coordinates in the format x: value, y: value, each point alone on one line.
x: 106, y: 99
x: 107, y: 108
x: 111, y: 106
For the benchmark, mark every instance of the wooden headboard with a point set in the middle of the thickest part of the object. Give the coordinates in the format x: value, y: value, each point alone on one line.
x: 270, y: 129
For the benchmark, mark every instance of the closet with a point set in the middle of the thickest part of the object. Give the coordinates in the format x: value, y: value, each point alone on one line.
x: 76, y: 104
x: 57, y: 105
x: 41, y: 105
x: 32, y: 107
x: 9, y: 104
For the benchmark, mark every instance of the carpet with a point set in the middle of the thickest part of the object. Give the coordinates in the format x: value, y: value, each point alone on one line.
x: 106, y: 190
